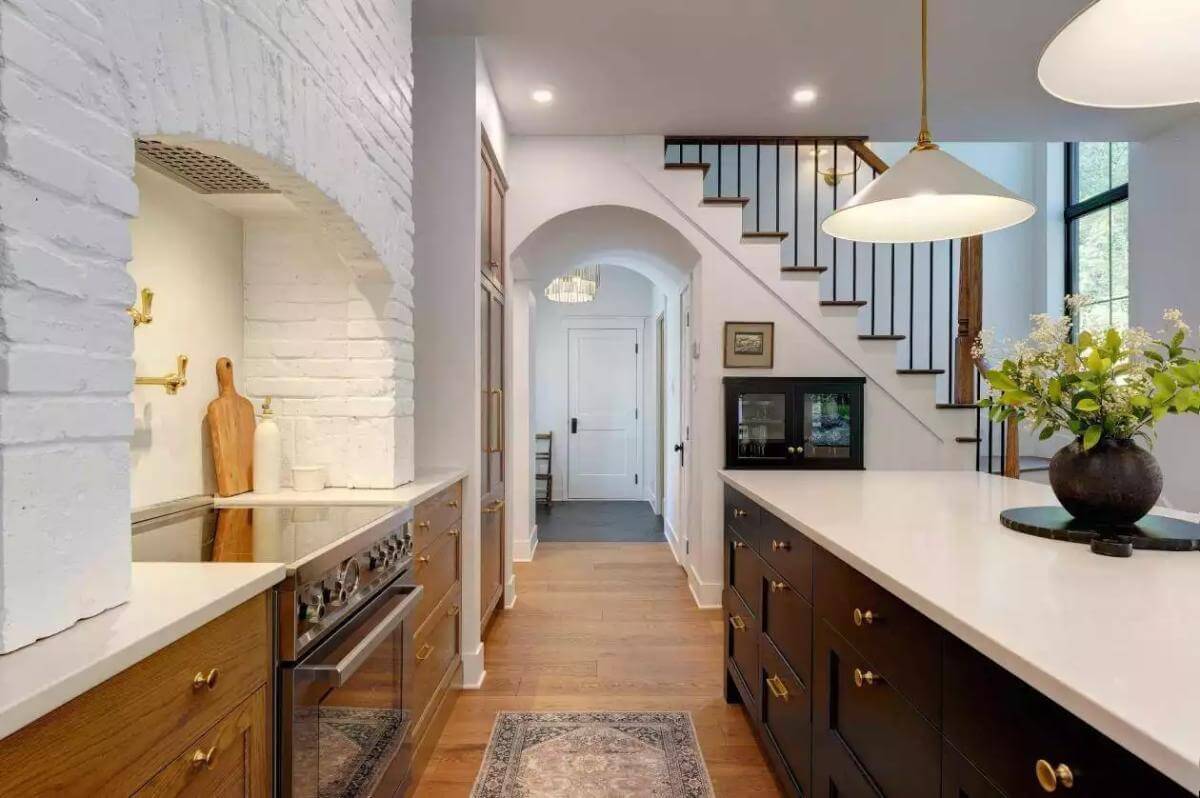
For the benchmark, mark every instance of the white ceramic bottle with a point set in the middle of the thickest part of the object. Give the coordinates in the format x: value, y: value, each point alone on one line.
x: 268, y: 453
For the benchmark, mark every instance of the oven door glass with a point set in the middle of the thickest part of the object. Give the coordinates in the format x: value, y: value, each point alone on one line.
x: 350, y: 708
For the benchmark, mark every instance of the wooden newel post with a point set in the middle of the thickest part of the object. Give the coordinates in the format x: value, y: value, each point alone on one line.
x: 1012, y: 452
x: 970, y: 317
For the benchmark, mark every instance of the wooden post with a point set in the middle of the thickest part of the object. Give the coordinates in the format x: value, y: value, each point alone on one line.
x: 1012, y: 454
x: 970, y: 317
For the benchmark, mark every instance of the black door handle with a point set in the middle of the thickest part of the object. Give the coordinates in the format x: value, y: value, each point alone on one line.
x: 679, y: 448
x: 574, y: 425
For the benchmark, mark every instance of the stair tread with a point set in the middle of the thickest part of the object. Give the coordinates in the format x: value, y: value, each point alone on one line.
x: 844, y: 303
x: 884, y: 337
x: 777, y: 235
x: 920, y: 371
x: 968, y: 439
x: 701, y: 166
x: 726, y: 200
x: 804, y: 269
x: 956, y: 406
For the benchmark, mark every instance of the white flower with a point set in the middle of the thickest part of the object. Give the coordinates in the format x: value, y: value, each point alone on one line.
x: 1175, y: 316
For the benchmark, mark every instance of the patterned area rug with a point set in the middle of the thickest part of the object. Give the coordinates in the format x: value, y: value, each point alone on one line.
x: 593, y: 755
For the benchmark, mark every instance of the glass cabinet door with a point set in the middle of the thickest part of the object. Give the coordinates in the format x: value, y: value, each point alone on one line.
x: 826, y: 421
x: 762, y: 427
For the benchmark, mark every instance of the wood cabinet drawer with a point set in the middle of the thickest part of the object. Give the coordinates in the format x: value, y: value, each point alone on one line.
x: 900, y: 642
x: 741, y: 515
x: 835, y: 773
x: 743, y: 571
x: 789, y: 552
x: 436, y: 650
x: 435, y: 515
x: 786, y: 713
x: 741, y: 641
x: 1004, y: 727
x: 437, y: 570
x: 961, y: 780
x: 113, y: 738
x: 860, y: 709
x: 230, y: 759
x: 787, y: 619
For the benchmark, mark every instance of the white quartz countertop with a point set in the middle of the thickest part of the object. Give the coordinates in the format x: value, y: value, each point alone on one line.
x: 166, y: 602
x: 426, y: 484
x: 1115, y: 641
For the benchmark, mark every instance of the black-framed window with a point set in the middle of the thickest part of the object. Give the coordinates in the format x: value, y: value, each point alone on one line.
x: 1097, y: 220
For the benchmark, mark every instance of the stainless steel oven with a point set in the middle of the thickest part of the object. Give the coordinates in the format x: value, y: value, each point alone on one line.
x: 347, y: 704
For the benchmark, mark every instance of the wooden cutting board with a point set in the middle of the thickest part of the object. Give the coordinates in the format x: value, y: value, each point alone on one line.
x: 231, y: 429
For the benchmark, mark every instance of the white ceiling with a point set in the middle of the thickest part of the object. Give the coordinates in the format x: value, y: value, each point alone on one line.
x: 730, y: 66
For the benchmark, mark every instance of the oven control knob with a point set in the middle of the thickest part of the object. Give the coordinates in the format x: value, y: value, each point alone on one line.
x: 313, y: 610
x: 375, y: 559
x: 347, y: 579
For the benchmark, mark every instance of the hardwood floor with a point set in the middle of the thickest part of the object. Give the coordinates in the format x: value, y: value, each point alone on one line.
x: 602, y: 626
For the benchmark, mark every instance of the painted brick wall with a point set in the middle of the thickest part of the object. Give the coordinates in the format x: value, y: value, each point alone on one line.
x: 313, y: 96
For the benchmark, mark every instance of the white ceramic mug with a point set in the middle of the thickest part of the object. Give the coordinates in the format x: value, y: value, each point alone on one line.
x: 307, y: 479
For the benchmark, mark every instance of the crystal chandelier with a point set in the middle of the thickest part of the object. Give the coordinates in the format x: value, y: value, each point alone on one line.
x: 574, y: 287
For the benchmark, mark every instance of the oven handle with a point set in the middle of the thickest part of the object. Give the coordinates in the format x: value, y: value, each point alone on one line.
x: 336, y: 674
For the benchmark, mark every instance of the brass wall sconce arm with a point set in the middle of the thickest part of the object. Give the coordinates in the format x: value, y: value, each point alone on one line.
x: 142, y: 315
x: 171, y: 382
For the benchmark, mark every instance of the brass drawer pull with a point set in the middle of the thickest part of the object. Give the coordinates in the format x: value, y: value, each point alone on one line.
x: 452, y: 504
x: 424, y: 653
x: 200, y: 681
x: 453, y: 611
x: 777, y: 688
x: 791, y: 450
x: 423, y: 525
x: 1051, y: 778
x: 866, y: 678
x: 740, y: 513
x: 494, y: 507
x: 737, y: 623
x: 737, y: 544
x: 864, y: 618
x: 780, y: 545
x: 778, y: 587
x: 453, y: 533
x: 204, y: 759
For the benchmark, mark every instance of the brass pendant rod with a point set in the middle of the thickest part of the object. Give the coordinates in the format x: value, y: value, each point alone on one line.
x: 924, y: 139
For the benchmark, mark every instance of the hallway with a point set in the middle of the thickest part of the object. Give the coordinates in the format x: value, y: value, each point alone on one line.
x: 602, y: 626
x: 599, y: 522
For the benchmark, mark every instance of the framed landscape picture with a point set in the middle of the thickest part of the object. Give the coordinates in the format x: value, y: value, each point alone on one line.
x: 749, y: 344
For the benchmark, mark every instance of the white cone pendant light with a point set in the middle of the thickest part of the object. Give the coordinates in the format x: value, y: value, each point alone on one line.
x: 1126, y: 54
x: 928, y: 195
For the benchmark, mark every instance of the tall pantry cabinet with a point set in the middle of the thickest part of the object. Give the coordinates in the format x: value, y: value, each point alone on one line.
x: 492, y: 187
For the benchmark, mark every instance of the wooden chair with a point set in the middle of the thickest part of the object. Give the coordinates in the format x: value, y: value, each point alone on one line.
x: 544, y: 480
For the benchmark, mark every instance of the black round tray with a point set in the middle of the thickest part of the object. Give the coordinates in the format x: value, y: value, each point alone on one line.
x: 1157, y: 532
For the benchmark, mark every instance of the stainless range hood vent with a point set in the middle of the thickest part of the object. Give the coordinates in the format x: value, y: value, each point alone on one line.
x: 199, y: 171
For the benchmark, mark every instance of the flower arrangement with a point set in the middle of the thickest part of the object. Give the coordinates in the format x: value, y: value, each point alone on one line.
x: 1112, y: 385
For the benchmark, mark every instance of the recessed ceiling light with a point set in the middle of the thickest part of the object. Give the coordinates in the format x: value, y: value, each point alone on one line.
x: 543, y: 96
x: 804, y: 96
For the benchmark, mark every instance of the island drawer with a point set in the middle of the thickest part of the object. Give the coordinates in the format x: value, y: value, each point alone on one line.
x: 113, y: 738
x: 787, y: 619
x: 742, y: 515
x: 960, y: 779
x: 741, y: 641
x: 835, y: 773
x: 864, y: 711
x: 744, y: 571
x: 1006, y: 728
x: 789, y: 552
x: 786, y: 713
x: 436, y: 514
x: 903, y: 644
x: 436, y: 651
x: 435, y: 569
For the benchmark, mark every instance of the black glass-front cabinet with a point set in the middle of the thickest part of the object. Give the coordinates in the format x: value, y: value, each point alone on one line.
x: 794, y: 422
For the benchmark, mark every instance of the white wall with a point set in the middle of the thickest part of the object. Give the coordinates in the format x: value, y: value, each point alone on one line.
x: 1164, y: 267
x: 190, y: 254
x: 623, y: 293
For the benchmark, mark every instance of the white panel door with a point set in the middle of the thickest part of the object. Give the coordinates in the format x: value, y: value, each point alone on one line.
x: 602, y: 404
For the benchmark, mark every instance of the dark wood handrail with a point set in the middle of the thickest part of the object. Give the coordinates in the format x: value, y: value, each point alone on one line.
x: 867, y: 155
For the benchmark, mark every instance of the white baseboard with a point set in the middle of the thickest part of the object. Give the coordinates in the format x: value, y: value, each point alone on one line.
x: 673, y: 541
x: 473, y: 671
x: 523, y: 549
x: 510, y: 592
x: 706, y: 594
x: 652, y: 498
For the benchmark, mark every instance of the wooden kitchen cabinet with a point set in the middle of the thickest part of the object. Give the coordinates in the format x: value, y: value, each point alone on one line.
x: 133, y: 734
x: 492, y: 188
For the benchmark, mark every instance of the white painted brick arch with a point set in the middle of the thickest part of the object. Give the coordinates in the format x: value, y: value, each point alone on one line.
x: 313, y: 95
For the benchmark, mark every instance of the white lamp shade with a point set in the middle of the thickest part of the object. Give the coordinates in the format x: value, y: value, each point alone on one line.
x: 1126, y: 54
x: 928, y: 195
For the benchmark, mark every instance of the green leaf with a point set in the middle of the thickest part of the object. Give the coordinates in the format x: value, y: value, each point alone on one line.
x: 1095, y: 363
x: 1139, y: 401
x: 1000, y: 381
x: 1164, y: 382
x: 1177, y: 341
x: 1158, y: 412
x: 1091, y: 436
x: 1087, y: 405
x: 1046, y: 433
x: 1085, y: 340
x: 1112, y: 339
x: 1016, y: 397
x: 1155, y: 356
x: 1054, y: 390
x: 1182, y: 402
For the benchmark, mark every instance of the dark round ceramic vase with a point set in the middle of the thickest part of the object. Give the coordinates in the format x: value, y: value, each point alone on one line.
x: 1114, y: 483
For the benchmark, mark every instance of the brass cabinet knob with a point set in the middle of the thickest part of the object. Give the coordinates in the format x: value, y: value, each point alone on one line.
x: 1051, y: 777
x: 778, y: 587
x: 422, y: 525
x: 737, y: 544
x: 454, y: 609
x: 780, y: 545
x: 423, y: 559
x: 200, y: 681
x: 737, y: 623
x: 424, y: 653
x: 777, y: 688
x: 204, y: 759
x: 740, y: 513
x: 453, y: 533
x: 791, y: 450
x: 864, y: 617
x: 452, y: 504
x: 866, y: 678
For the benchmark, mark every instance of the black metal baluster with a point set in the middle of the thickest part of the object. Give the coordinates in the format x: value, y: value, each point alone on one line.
x: 816, y: 210
x: 854, y: 244
x: 777, y: 185
x: 720, y: 157
x: 739, y: 169
x: 1003, y: 443
x: 931, y: 306
x: 978, y: 422
x: 912, y: 260
x: 796, y: 204
x: 757, y: 186
x: 834, y: 241
x: 949, y: 322
x: 892, y: 296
